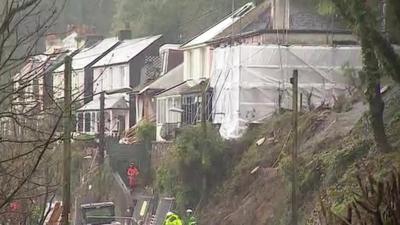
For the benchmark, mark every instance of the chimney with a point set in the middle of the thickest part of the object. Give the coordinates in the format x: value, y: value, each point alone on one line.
x: 124, y: 35
x: 281, y: 14
x: 93, y: 39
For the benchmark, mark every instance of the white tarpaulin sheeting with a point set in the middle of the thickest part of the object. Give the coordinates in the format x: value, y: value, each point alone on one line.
x: 247, y: 80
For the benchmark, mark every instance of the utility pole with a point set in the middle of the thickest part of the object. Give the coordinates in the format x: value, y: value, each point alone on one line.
x: 67, y: 142
x: 295, y: 82
x: 204, y: 130
x: 101, y: 128
x: 383, y: 18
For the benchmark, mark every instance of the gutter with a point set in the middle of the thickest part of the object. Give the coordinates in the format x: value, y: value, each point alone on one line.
x: 274, y: 31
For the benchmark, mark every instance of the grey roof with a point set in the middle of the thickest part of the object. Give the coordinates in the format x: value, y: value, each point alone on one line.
x: 303, y: 17
x: 255, y: 20
x: 111, y: 102
x: 212, y: 32
x: 168, y: 80
x: 88, y: 55
x: 177, y: 90
x: 127, y: 50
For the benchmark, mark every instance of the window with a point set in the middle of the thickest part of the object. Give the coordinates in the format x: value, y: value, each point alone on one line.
x: 122, y: 76
x: 189, y: 105
x: 176, y: 116
x: 169, y: 106
x: 87, y: 122
x: 93, y: 122
x: 110, y: 78
x: 161, y: 111
x: 80, y: 122
x: 98, y: 122
x: 121, y: 124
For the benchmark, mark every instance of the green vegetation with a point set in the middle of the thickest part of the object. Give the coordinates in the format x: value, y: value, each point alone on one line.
x: 181, y: 173
x: 146, y: 132
x: 330, y: 161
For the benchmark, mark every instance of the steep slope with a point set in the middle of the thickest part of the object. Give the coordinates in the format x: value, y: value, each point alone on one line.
x: 331, y: 145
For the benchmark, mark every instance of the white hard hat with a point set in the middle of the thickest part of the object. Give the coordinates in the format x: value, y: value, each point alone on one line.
x: 189, y: 210
x: 169, y: 213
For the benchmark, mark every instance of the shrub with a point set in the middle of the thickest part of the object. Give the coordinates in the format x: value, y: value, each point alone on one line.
x: 181, y: 173
x: 146, y: 131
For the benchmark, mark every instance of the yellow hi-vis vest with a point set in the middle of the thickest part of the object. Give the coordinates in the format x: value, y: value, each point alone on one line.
x: 173, y: 220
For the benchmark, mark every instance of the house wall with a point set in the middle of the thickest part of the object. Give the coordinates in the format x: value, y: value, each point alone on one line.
x: 197, y: 63
x: 175, y: 58
x: 88, y: 85
x: 77, y: 83
x: 110, y: 77
x: 36, y: 91
x: 136, y: 77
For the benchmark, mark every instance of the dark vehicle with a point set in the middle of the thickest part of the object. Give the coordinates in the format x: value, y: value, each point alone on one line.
x: 98, y: 213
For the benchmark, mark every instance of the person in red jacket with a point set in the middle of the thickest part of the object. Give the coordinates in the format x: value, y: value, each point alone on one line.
x: 132, y: 174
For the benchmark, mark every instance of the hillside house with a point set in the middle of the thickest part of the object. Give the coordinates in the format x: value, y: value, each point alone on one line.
x: 130, y: 64
x: 171, y: 58
x: 170, y: 76
x: 82, y: 71
x: 179, y: 105
x: 254, y: 59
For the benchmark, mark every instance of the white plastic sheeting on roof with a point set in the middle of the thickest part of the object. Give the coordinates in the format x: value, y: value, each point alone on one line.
x: 88, y: 55
x: 221, y: 26
x: 126, y: 51
x: 247, y: 80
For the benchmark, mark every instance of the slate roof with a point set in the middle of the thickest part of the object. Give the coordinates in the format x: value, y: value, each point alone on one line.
x: 256, y: 20
x: 177, y: 90
x: 111, y: 102
x: 88, y: 55
x: 127, y: 50
x: 168, y: 80
x: 303, y: 17
x: 212, y: 32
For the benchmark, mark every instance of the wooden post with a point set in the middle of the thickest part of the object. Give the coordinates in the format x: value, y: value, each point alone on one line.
x: 204, y: 130
x: 101, y: 128
x: 294, y: 80
x: 67, y: 142
x: 301, y: 102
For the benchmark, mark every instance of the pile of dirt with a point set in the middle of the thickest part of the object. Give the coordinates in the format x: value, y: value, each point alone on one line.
x: 257, y: 192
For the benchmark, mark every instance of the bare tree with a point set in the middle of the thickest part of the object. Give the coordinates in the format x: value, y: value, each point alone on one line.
x: 28, y: 128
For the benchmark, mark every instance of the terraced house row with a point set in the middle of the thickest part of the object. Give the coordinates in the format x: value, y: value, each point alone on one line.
x: 240, y: 68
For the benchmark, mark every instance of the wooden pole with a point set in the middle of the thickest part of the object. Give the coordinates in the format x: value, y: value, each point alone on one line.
x: 301, y: 102
x: 101, y: 128
x: 67, y: 142
x: 204, y: 130
x: 294, y: 81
